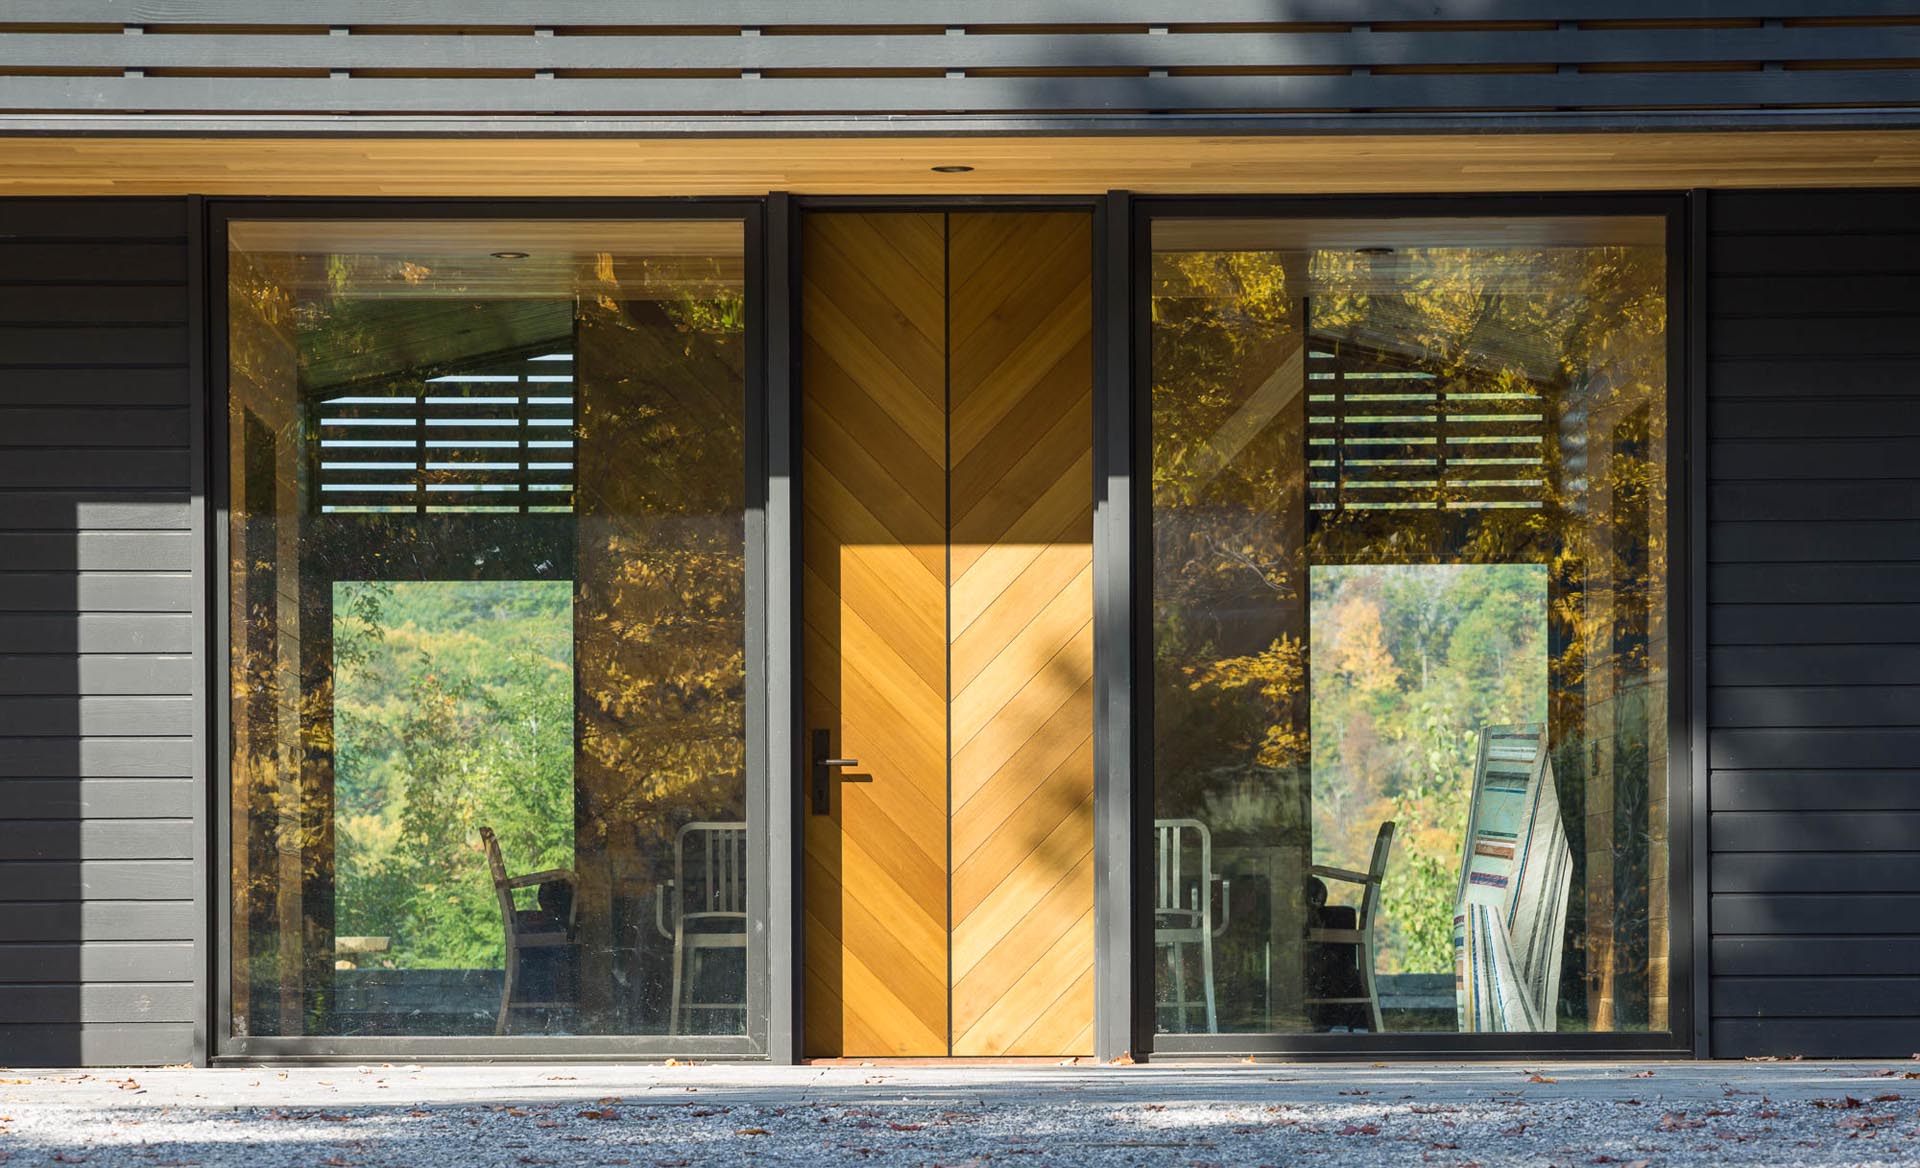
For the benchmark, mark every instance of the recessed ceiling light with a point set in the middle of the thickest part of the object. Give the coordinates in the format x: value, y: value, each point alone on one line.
x: 509, y: 255
x: 1373, y: 251
x: 953, y: 170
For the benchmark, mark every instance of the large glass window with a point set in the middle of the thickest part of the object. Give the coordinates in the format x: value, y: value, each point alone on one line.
x: 488, y: 655
x: 1409, y: 624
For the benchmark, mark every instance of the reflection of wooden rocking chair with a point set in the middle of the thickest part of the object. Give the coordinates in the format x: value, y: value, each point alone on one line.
x: 548, y: 929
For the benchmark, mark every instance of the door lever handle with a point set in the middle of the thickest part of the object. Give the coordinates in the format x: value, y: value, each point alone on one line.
x: 822, y: 772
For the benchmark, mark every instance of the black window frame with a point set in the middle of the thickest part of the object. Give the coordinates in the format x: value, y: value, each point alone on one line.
x: 221, y: 1044
x: 1685, y: 907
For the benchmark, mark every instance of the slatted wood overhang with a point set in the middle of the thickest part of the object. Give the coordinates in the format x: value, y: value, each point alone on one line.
x: 768, y: 59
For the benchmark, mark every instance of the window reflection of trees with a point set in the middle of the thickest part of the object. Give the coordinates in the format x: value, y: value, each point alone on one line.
x: 1235, y: 333
x: 652, y: 543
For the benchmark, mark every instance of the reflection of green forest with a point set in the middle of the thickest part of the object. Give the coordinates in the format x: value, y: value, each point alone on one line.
x: 453, y: 709
x: 1408, y: 662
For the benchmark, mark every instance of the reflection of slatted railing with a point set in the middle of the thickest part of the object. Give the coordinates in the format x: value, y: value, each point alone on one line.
x: 498, y: 437
x: 1386, y: 432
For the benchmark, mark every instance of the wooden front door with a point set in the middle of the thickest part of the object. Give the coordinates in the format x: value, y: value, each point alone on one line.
x: 948, y: 516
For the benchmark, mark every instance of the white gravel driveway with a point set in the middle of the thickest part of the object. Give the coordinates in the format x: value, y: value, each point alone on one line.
x: 1624, y: 1115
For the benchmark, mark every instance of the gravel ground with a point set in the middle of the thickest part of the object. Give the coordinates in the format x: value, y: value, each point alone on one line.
x: 1644, y: 1115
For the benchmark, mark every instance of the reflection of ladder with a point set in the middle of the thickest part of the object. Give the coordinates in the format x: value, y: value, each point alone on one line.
x: 709, y: 909
x: 1183, y: 913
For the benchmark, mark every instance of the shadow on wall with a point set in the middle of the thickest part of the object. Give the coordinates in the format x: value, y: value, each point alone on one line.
x: 97, y: 710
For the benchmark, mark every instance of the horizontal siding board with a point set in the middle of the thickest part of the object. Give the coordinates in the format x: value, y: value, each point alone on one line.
x: 1780, y: 871
x: 96, y: 591
x: 1815, y: 997
x: 1812, y: 297
x: 96, y: 551
x: 1825, y: 957
x: 89, y: 262
x: 1795, y: 665
x: 1814, y: 254
x: 1849, y: 746
x: 1813, y: 584
x: 860, y: 49
x: 95, y: 344
x: 1795, y: 336
x: 96, y: 798
x: 1811, y: 706
x: 1821, y: 458
x: 1816, y: 790
x: 1829, y: 418
x: 90, y: 510
x: 1815, y: 624
x: 94, y: 220
x: 95, y: 839
x: 142, y: 716
x: 94, y: 426
x: 1816, y: 831
x: 36, y: 880
x: 98, y: 674
x: 1816, y: 1038
x: 101, y: 961
x: 67, y: 1044
x: 1729, y: 375
x: 797, y: 13
x: 92, y: 304
x: 1793, y: 502
x: 79, y: 467
x: 96, y: 920
x: 105, y: 758
x: 109, y: 1002
x: 1816, y: 914
x: 1833, y: 541
x: 75, y: 387
x: 102, y: 633
x: 1851, y: 212
x: 975, y: 93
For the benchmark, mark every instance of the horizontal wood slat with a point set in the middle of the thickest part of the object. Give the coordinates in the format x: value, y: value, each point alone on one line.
x: 970, y: 93
x: 796, y: 13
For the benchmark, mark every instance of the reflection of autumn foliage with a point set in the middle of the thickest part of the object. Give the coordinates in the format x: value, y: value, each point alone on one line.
x: 1582, y: 328
x: 654, y: 547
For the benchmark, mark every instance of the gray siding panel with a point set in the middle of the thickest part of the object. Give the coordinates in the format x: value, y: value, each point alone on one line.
x: 1148, y: 59
x: 1814, y: 622
x: 97, y: 677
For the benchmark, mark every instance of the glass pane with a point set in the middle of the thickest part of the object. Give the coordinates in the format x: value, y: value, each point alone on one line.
x: 1409, y: 626
x: 488, y: 628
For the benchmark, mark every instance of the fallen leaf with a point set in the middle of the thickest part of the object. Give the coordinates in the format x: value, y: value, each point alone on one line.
x: 1888, y: 1098
x: 1539, y: 1078
x: 1360, y: 1129
x: 1646, y: 1074
x: 1125, y: 1059
x: 1844, y: 1103
x: 906, y: 1126
x: 600, y: 1113
x: 752, y: 1131
x: 1678, y: 1121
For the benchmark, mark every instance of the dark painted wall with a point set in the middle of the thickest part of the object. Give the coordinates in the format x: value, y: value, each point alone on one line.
x: 97, y: 742
x: 1814, y: 621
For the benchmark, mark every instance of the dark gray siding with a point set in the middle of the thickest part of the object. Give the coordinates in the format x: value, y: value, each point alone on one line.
x: 1626, y: 61
x: 97, y: 708
x: 1814, y: 621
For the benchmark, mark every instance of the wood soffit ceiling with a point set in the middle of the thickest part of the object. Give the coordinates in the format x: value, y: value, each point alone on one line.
x: 611, y: 167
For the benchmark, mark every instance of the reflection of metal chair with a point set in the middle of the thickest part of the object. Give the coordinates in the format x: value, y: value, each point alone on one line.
x: 547, y: 928
x: 1183, y: 911
x: 709, y: 909
x: 1358, y: 939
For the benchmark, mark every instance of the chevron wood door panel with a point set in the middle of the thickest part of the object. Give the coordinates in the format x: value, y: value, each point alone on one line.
x: 873, y: 420
x: 1020, y: 576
